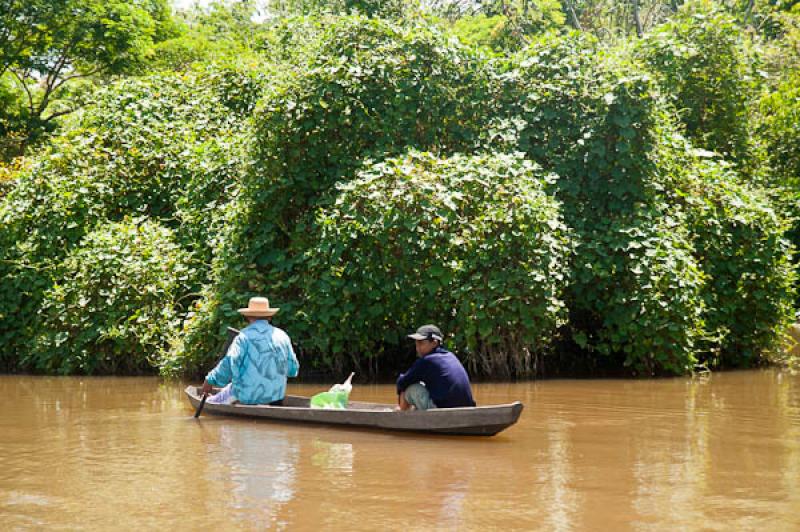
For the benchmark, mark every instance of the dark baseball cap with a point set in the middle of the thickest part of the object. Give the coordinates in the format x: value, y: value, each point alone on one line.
x: 427, y: 332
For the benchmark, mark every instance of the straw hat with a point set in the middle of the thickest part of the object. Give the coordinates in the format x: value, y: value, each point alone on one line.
x: 258, y: 307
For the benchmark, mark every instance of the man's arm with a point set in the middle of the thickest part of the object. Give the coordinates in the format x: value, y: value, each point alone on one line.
x: 223, y: 373
x: 415, y: 373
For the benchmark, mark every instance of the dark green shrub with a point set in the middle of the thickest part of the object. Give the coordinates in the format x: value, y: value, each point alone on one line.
x: 138, y: 150
x: 779, y: 130
x: 587, y: 114
x: 471, y: 243
x: 741, y: 247
x: 636, y: 293
x: 643, y: 272
x: 593, y: 118
x: 268, y: 173
x: 143, y: 134
x: 543, y: 99
x: 700, y: 61
x: 40, y: 220
x: 370, y: 88
x: 167, y: 147
x: 115, y: 304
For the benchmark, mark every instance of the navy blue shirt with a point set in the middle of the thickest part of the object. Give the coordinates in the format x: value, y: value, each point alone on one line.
x: 444, y: 377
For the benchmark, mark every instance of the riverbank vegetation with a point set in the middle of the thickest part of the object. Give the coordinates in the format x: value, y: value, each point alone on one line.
x: 576, y: 187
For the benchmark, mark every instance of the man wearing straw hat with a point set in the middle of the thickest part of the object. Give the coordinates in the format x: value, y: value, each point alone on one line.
x: 255, y: 368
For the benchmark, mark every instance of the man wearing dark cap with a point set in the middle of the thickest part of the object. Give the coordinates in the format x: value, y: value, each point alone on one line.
x: 436, y: 379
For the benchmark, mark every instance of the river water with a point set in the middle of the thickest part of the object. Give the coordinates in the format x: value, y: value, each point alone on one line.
x: 120, y: 453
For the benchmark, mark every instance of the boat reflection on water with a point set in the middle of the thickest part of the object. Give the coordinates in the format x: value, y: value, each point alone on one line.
x: 252, y: 470
x: 267, y: 476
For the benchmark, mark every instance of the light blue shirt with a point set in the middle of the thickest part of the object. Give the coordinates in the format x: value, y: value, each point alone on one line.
x: 257, y: 362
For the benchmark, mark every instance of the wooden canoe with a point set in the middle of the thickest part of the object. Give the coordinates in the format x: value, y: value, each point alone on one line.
x: 471, y: 421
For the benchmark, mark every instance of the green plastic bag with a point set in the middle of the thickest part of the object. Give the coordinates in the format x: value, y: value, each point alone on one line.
x: 335, y: 398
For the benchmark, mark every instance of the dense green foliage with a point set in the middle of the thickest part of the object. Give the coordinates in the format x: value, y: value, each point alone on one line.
x: 368, y: 89
x: 471, y: 243
x: 779, y: 129
x: 598, y: 123
x: 701, y: 64
x: 165, y: 147
x: 556, y: 202
x: 49, y: 46
x: 746, y: 261
x: 116, y: 302
x: 362, y: 95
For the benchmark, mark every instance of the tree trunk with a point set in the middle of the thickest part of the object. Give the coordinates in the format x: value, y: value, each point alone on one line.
x: 636, y: 19
x: 571, y: 15
x: 749, y: 11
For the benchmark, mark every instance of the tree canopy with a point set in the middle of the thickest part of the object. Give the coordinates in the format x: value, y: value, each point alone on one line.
x: 48, y: 46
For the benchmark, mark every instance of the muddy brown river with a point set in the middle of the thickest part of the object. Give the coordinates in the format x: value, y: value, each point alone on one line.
x: 122, y: 453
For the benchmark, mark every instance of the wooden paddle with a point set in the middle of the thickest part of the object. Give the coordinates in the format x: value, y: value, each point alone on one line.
x: 232, y: 333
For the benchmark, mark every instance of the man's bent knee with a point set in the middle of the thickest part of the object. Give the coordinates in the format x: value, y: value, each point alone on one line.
x: 418, y: 396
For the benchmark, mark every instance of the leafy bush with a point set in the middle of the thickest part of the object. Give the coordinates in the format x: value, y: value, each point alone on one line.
x: 372, y: 88
x: 741, y: 247
x: 588, y: 114
x: 542, y: 99
x: 779, y: 130
x: 671, y: 249
x: 471, y: 243
x: 372, y: 175
x: 116, y: 301
x: 41, y: 219
x: 592, y: 117
x: 636, y: 295
x: 369, y: 88
x: 700, y: 61
x: 597, y: 130
x: 167, y: 147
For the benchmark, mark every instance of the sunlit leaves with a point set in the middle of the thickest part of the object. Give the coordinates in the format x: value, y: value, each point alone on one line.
x: 471, y: 243
x: 114, y: 305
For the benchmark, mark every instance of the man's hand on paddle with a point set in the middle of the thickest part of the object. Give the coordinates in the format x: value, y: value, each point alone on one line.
x: 207, y: 387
